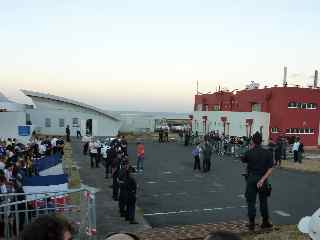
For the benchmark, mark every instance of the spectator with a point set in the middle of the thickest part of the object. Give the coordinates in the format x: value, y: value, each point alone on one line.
x: 140, y: 156
x: 49, y: 227
x: 295, y: 149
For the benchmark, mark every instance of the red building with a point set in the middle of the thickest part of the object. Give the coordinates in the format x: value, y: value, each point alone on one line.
x: 294, y: 111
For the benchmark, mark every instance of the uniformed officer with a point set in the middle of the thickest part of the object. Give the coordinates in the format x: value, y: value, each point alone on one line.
x: 115, y: 184
x: 123, y: 197
x: 206, y: 153
x: 259, y: 168
x: 131, y: 185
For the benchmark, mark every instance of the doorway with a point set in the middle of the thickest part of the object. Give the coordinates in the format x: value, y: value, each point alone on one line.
x: 89, y: 127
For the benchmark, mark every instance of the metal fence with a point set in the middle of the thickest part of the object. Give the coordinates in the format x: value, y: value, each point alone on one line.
x: 19, y: 209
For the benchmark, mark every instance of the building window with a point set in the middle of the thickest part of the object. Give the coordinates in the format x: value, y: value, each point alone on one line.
x: 256, y: 107
x: 75, y: 122
x: 47, y: 122
x: 28, y: 119
x: 205, y: 107
x: 296, y: 131
x: 216, y: 108
x: 274, y: 130
x: 199, y: 107
x: 303, y: 105
x: 311, y: 106
x: 61, y: 122
x: 292, y: 105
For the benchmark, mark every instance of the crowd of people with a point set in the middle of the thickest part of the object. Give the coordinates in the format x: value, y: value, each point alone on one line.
x: 17, y: 161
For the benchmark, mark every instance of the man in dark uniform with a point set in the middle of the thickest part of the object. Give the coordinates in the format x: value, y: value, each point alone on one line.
x: 206, y: 152
x: 68, y: 133
x: 259, y: 168
x: 123, y: 197
x: 131, y: 185
x: 115, y: 184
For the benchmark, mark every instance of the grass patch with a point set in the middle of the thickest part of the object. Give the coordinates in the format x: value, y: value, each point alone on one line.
x: 285, y: 232
x: 308, y: 165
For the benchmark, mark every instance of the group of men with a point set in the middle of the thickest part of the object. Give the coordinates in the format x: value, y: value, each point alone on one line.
x: 116, y: 160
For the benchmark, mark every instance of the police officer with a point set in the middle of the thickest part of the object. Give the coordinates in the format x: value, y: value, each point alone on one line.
x: 131, y: 201
x: 206, y: 153
x: 259, y: 168
x: 123, y: 197
x: 115, y: 184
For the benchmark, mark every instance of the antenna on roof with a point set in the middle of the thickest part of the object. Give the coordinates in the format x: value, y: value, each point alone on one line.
x: 197, y: 87
x: 285, y: 83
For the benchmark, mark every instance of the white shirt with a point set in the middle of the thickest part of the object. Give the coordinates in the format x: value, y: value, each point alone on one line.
x: 42, y: 149
x: 296, y: 146
x: 2, y: 165
x: 104, y: 151
x: 54, y: 142
x: 93, y: 147
x: 8, y: 174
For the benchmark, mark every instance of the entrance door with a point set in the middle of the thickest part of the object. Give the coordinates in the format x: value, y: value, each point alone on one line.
x: 94, y: 128
x: 89, y: 127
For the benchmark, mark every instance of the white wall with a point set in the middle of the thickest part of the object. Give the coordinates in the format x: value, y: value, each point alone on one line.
x: 105, y: 126
x: 9, y: 122
x: 237, y: 122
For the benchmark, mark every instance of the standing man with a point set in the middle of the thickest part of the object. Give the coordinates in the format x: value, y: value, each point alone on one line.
x: 259, y: 169
x: 206, y: 154
x: 295, y: 149
x: 131, y: 185
x: 93, y: 153
x: 68, y: 133
x: 124, y: 145
x: 140, y: 156
x: 123, y: 196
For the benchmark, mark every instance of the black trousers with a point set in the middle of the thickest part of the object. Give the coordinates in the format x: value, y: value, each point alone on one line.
x: 108, y: 166
x: 123, y: 200
x: 196, y: 163
x: 131, y: 208
x: 206, y: 164
x: 94, y: 159
x: 295, y: 156
x: 251, y: 196
x: 115, y: 189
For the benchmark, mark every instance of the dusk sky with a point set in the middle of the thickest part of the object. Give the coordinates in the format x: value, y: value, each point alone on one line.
x: 147, y: 55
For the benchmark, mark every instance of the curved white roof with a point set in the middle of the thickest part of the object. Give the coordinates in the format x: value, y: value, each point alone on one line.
x: 68, y: 101
x: 3, y: 98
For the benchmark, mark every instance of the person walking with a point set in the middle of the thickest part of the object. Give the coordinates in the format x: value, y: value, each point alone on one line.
x: 196, y: 154
x: 140, y: 156
x: 206, y: 153
x: 300, y: 152
x: 295, y: 149
x: 259, y: 169
x: 277, y: 152
x: 68, y: 133
x: 93, y: 153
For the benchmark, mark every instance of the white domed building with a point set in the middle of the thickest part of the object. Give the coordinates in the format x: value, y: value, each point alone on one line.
x: 50, y: 115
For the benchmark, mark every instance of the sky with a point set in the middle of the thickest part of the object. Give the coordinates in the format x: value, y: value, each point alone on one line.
x: 147, y: 55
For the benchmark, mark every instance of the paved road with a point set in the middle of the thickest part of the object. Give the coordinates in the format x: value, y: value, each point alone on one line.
x: 171, y: 193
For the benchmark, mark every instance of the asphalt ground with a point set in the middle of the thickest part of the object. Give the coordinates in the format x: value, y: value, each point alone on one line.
x: 172, y: 193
